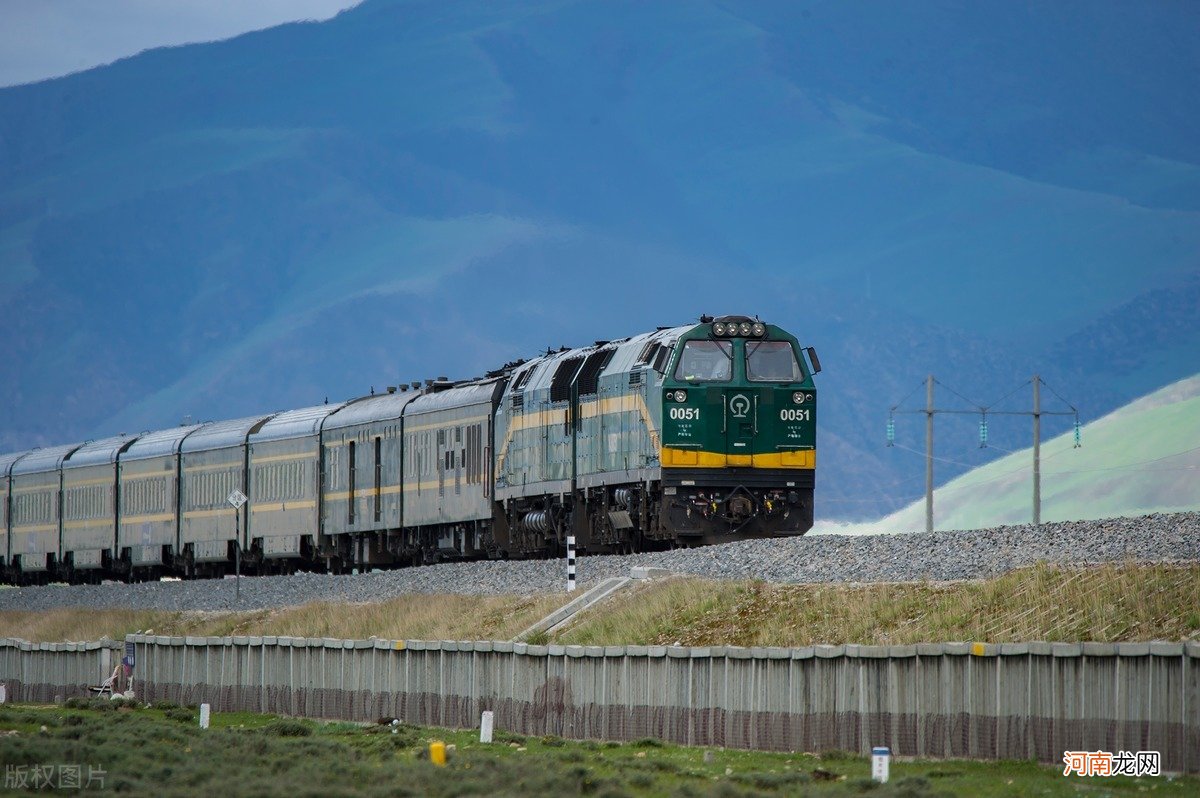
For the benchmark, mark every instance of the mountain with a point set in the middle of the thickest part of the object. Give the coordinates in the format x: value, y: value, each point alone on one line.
x: 1141, y: 458
x: 413, y: 189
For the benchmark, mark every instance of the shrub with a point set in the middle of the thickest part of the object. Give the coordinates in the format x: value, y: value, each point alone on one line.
x: 181, y: 714
x: 285, y: 727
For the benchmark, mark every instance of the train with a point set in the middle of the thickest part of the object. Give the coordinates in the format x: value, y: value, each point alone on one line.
x: 684, y: 436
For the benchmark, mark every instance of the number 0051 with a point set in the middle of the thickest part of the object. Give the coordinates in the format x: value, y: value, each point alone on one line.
x: 799, y: 414
x: 685, y: 413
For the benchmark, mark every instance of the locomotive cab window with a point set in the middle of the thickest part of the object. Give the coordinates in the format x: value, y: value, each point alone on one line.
x: 705, y: 361
x: 772, y: 361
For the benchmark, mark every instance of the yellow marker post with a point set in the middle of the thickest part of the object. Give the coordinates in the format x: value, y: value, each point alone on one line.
x: 978, y: 649
x: 437, y: 753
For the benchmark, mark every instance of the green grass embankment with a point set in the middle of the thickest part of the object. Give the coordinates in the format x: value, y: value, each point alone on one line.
x: 1110, y: 603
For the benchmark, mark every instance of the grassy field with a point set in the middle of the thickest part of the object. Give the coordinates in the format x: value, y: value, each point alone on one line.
x: 1107, y: 603
x: 162, y: 751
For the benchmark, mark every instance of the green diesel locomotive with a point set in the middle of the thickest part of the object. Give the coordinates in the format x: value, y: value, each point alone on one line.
x: 690, y: 435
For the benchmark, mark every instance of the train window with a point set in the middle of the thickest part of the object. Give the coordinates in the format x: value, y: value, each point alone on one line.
x: 661, y: 358
x: 469, y: 456
x: 772, y: 361
x: 589, y: 375
x: 705, y: 361
x: 648, y: 352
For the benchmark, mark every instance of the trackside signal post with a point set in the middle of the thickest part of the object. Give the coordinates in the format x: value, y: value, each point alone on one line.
x: 983, y: 411
x: 236, y: 498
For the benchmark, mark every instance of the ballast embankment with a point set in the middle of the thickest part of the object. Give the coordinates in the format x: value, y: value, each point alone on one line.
x: 905, y: 557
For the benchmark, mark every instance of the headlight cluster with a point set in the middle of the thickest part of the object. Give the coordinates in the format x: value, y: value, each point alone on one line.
x: 800, y: 397
x: 746, y: 329
x: 678, y: 396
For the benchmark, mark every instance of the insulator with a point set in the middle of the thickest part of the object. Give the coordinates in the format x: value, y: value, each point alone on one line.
x: 1078, y: 443
x: 891, y: 432
x: 536, y: 521
x: 983, y: 433
x: 623, y: 497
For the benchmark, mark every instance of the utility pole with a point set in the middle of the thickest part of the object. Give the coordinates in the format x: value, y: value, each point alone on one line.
x: 929, y: 453
x: 984, y: 411
x: 1037, y: 449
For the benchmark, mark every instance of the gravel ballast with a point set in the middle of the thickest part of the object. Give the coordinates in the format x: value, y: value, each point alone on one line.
x: 939, y: 556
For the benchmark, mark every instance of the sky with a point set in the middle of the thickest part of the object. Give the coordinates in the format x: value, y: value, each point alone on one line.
x: 41, y: 39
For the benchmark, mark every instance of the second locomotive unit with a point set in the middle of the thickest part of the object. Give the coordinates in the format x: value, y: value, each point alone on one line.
x: 689, y: 435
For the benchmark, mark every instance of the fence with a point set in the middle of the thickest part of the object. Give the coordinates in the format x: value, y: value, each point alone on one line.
x: 1009, y: 701
x: 40, y: 672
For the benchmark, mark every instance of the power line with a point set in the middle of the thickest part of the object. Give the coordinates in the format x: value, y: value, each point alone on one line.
x: 982, y: 410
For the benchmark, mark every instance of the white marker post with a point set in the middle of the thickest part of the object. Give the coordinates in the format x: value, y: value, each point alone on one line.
x: 204, y: 715
x: 570, y: 563
x: 880, y: 759
x: 486, y: 723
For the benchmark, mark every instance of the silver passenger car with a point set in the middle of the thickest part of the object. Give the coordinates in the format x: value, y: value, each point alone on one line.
x: 6, y: 464
x: 285, y: 482
x: 363, y: 490
x: 447, y: 464
x: 89, y: 503
x: 212, y: 463
x: 36, y: 529
x: 148, y: 521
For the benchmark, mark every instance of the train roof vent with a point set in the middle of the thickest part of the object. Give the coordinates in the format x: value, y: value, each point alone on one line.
x: 564, y: 375
x: 589, y: 375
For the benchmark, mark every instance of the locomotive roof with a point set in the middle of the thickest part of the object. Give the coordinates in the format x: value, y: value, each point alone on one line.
x: 468, y: 394
x: 7, y: 460
x: 295, y: 423
x: 219, y: 434
x: 99, y: 452
x: 381, y: 407
x: 41, y: 460
x: 159, y: 442
x: 624, y: 357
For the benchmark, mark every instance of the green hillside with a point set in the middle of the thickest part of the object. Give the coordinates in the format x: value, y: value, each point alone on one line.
x: 1141, y: 458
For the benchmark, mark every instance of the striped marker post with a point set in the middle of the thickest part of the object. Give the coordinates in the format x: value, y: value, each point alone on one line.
x: 570, y: 563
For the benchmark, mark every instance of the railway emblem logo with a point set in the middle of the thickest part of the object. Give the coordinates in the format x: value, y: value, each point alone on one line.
x: 739, y: 406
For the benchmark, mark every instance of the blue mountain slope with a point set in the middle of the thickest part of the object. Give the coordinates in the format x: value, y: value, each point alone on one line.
x: 419, y: 188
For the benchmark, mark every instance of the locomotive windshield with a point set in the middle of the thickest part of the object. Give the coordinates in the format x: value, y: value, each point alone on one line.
x: 772, y: 361
x: 705, y: 361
